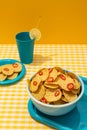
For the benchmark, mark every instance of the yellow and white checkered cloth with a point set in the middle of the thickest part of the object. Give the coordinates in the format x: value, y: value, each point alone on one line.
x: 14, y: 98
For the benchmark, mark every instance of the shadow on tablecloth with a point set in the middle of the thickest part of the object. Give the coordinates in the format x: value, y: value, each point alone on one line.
x: 40, y: 59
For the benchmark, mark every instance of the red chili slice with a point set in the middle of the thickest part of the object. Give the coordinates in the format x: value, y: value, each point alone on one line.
x: 15, y: 65
x: 35, y: 83
x: 50, y: 79
x: 44, y: 100
x: 40, y: 73
x: 57, y: 93
x: 70, y: 86
x: 50, y: 70
x: 62, y: 77
x: 6, y: 69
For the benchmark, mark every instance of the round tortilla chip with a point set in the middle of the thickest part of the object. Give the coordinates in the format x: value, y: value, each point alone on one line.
x: 39, y: 93
x: 76, y: 91
x: 17, y: 67
x: 66, y: 82
x: 13, y: 76
x: 34, y: 84
x: 77, y: 84
x: 43, y: 74
x: 69, y: 96
x: 59, y: 102
x: 64, y: 99
x: 7, y: 69
x: 2, y: 77
x: 73, y: 76
x: 53, y: 95
x: 51, y: 86
x: 53, y: 73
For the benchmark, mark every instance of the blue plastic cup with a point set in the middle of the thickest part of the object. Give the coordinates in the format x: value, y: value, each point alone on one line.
x: 25, y: 47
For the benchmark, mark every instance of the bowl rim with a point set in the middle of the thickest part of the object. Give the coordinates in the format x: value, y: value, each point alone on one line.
x: 59, y: 105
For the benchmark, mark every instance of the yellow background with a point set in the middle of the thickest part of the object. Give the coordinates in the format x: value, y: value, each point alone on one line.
x: 63, y: 21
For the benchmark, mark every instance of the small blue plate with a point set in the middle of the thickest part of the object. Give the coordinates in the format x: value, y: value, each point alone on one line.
x: 21, y: 74
x: 74, y: 120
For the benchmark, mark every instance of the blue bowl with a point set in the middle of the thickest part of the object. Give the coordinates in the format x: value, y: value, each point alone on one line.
x: 57, y: 110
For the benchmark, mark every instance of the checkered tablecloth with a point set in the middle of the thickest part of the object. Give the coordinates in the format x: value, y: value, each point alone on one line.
x: 14, y: 98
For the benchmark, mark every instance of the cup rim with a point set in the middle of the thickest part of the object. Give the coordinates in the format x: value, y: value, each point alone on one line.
x: 61, y: 105
x: 23, y: 40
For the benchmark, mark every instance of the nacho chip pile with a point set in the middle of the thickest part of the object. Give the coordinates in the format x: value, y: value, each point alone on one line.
x: 10, y: 71
x: 54, y: 86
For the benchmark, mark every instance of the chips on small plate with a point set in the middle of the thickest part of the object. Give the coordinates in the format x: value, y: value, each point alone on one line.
x: 10, y: 71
